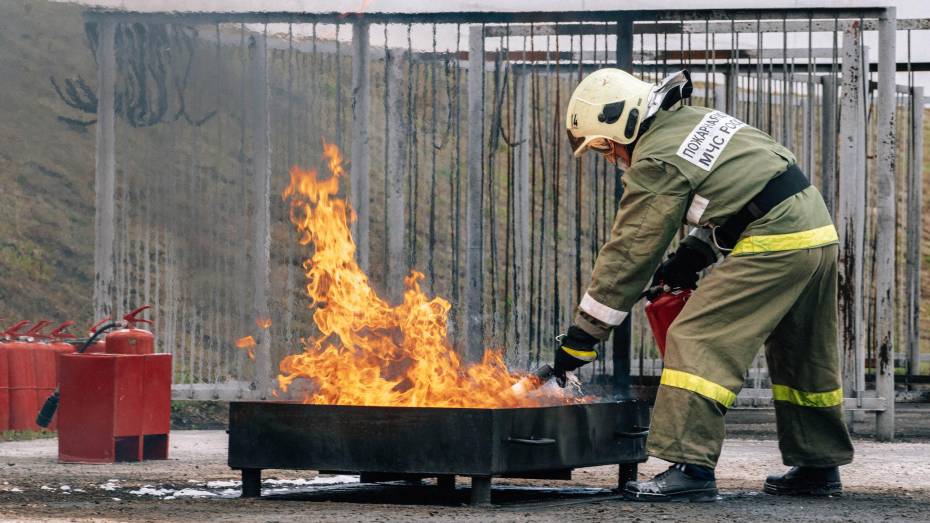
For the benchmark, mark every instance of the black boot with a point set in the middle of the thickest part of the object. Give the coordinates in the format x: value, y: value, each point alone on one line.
x: 806, y: 481
x: 679, y: 483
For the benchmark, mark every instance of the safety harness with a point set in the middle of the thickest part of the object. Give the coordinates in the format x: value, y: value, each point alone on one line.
x: 778, y: 189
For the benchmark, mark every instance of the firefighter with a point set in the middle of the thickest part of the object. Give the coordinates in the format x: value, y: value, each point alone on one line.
x: 776, y: 286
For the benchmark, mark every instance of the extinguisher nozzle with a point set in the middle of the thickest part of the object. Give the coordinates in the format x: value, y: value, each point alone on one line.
x: 44, y: 419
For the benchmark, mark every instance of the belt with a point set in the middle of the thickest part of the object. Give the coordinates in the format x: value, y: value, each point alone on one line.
x: 778, y: 189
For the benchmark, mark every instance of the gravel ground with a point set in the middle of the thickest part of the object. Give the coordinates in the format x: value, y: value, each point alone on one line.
x: 886, y: 482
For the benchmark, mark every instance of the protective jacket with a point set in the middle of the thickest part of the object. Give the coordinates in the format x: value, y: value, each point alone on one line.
x: 697, y: 166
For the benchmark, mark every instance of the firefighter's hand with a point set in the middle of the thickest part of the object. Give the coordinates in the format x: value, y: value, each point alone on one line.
x: 680, y: 270
x: 575, y: 349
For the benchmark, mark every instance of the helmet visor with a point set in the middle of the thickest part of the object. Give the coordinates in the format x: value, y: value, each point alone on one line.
x: 575, y: 141
x: 581, y: 144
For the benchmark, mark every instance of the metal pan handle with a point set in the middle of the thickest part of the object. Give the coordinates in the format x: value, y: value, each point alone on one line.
x: 638, y: 432
x: 531, y: 441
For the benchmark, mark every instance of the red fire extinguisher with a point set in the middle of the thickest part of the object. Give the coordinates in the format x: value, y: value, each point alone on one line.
x: 130, y: 340
x: 664, y: 305
x: 98, y: 346
x: 59, y: 336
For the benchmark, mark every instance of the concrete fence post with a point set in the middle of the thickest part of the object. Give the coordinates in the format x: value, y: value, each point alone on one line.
x: 886, y: 248
x: 522, y: 224
x: 396, y: 171
x: 105, y: 171
x: 474, y: 209
x: 360, y: 154
x: 261, y: 204
x: 850, y: 213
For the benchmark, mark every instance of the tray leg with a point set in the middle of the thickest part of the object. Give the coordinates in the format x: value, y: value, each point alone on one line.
x: 251, y: 483
x: 628, y: 472
x: 446, y: 482
x: 480, y: 491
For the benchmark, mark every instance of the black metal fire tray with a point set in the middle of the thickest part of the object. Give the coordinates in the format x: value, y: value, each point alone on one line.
x: 382, y: 443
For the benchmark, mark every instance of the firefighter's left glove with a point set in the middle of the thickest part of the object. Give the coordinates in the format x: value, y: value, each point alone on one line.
x: 575, y: 349
x: 680, y: 270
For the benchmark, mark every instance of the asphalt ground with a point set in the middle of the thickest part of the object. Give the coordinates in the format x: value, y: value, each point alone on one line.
x: 887, y: 482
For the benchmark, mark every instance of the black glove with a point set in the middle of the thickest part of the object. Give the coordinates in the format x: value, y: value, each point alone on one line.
x: 680, y: 270
x: 576, y: 348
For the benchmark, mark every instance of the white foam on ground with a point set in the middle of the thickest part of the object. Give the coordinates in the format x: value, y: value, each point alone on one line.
x: 224, y: 484
x: 231, y: 488
x: 319, y: 480
x: 149, y: 490
x: 109, y: 485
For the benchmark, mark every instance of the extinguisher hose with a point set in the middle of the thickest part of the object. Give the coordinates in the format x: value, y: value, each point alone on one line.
x: 47, y: 412
x: 99, y: 332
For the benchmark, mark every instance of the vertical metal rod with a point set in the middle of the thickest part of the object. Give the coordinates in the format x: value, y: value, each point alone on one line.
x: 731, y: 78
x: 885, y: 234
x: 828, y: 143
x: 105, y: 171
x: 474, y: 311
x: 261, y: 194
x: 622, y: 335
x: 396, y: 261
x: 914, y: 228
x: 851, y: 208
x: 522, y: 224
x: 359, y: 169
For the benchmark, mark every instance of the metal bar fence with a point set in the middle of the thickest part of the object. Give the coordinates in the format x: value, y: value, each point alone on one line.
x: 475, y: 185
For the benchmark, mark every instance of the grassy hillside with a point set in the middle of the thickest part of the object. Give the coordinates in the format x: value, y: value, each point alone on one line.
x: 46, y: 168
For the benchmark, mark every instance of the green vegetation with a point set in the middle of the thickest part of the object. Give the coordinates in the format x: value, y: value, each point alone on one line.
x: 26, y: 435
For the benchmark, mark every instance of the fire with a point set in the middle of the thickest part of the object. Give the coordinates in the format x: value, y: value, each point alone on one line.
x: 263, y: 323
x: 247, y: 343
x: 370, y: 352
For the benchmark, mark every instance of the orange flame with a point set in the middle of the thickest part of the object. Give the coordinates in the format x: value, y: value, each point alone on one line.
x: 263, y: 323
x: 247, y: 343
x: 369, y: 352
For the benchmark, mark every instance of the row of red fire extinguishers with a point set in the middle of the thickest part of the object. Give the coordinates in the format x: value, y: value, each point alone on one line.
x: 28, y: 363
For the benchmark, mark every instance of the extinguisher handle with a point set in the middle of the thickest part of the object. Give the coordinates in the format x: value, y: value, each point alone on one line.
x: 14, y: 330
x: 131, y: 319
x: 652, y: 293
x: 97, y: 325
x: 35, y: 331
x: 59, y: 331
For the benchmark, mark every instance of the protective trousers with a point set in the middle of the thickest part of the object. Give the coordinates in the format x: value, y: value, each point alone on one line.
x: 785, y: 300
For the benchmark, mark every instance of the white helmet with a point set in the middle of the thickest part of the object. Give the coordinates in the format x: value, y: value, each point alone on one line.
x: 609, y: 105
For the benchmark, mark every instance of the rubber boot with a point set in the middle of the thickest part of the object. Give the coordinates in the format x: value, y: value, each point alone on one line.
x: 675, y: 484
x: 806, y: 481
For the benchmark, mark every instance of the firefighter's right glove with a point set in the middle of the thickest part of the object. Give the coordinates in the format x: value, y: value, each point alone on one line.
x: 680, y: 270
x: 575, y: 349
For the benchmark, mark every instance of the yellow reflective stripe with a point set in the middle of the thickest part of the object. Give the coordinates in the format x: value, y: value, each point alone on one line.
x: 584, y: 355
x: 706, y: 388
x: 786, y: 242
x: 807, y: 399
